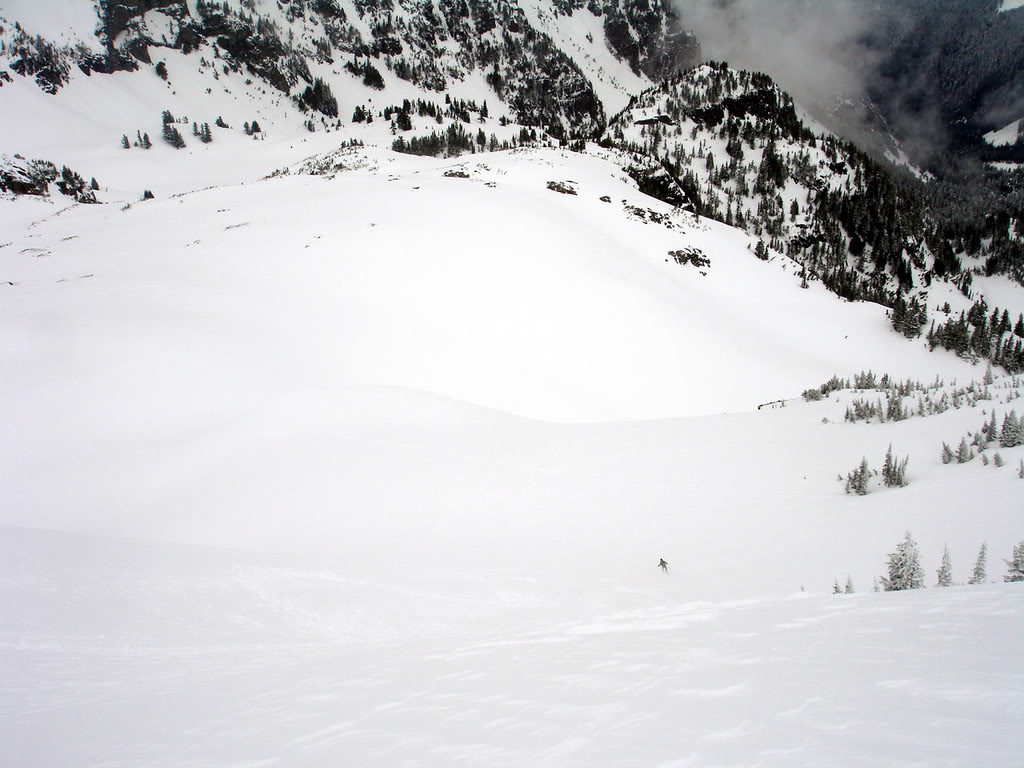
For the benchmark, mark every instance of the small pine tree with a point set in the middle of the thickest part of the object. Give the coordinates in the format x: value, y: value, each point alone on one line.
x: 93, y: 184
x: 124, y: 142
x: 857, y: 480
x: 998, y: 459
x: 905, y: 571
x: 888, y: 468
x: 894, y: 472
x: 849, y: 585
x: 980, y: 575
x: 146, y: 143
x: 219, y: 122
x: 945, y: 572
x: 172, y: 136
x: 1020, y: 470
x: 205, y: 135
x: 964, y: 453
x: 1015, y: 567
x: 1010, y: 435
x: 947, y: 454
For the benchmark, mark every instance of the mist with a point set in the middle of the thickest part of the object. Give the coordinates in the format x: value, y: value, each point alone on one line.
x: 812, y: 48
x: 828, y: 55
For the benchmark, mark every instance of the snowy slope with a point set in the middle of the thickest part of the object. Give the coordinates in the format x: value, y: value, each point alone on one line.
x: 581, y: 34
x: 357, y: 362
x: 1005, y: 135
x: 334, y: 455
x: 128, y: 655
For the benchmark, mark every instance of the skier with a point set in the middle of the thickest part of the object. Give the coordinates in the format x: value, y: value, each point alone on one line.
x: 663, y: 565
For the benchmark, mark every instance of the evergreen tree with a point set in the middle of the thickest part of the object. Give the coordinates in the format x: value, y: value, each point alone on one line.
x: 1010, y: 434
x: 945, y: 572
x: 319, y: 97
x: 905, y: 571
x: 146, y: 143
x: 964, y: 453
x: 857, y: 480
x: 124, y: 142
x: 836, y: 589
x: 172, y: 136
x: 1015, y: 567
x: 894, y: 472
x: 849, y: 585
x: 205, y: 135
x: 219, y: 122
x: 947, y: 454
x: 980, y: 575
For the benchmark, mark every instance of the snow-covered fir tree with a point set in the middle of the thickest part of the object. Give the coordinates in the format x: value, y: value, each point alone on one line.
x: 945, y: 572
x: 1015, y: 566
x: 857, y: 480
x: 904, y: 570
x: 1010, y: 435
x: 980, y: 574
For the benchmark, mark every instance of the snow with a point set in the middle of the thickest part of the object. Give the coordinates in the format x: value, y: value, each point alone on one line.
x: 375, y: 467
x: 58, y: 21
x: 127, y: 654
x: 1007, y: 167
x: 1010, y: 5
x: 581, y: 35
x: 1007, y: 134
x: 380, y: 363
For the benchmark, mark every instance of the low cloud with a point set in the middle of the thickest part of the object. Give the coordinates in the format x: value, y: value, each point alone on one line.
x: 813, y: 48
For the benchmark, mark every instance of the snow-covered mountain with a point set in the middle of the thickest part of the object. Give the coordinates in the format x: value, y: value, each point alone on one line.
x: 360, y: 360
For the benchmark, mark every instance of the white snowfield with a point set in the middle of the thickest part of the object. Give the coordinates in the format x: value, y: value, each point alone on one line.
x: 1005, y: 135
x: 375, y: 468
x: 471, y: 414
x: 122, y: 654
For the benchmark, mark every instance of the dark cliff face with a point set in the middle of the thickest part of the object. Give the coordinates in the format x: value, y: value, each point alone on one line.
x: 119, y: 16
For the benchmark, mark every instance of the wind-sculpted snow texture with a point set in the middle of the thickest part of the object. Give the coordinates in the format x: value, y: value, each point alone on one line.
x: 128, y: 655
